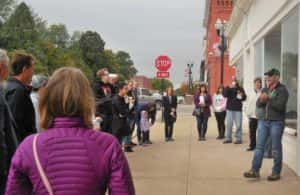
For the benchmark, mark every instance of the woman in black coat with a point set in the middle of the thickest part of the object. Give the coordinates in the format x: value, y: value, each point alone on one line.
x: 169, y: 106
x: 120, y: 110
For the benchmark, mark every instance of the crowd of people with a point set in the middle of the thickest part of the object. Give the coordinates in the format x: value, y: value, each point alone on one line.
x: 265, y: 109
x: 45, y: 120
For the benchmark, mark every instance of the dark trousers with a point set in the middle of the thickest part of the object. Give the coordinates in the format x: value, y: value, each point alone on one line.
x: 146, y: 136
x: 252, y: 132
x: 2, y: 183
x: 106, y: 124
x: 169, y: 125
x: 202, y: 125
x: 220, y: 117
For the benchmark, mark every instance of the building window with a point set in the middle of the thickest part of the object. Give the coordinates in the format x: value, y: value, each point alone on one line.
x: 239, y: 66
x: 289, y: 69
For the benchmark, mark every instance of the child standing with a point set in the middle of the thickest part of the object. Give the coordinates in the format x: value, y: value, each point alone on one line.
x: 145, y: 127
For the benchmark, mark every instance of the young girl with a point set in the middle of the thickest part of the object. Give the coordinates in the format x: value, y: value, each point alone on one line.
x: 219, y: 106
x: 145, y: 127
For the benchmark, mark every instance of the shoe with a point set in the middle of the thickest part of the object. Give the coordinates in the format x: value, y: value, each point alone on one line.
x: 274, y: 177
x: 250, y: 149
x: 219, y: 137
x: 150, y: 142
x: 128, y: 149
x: 251, y: 174
x: 167, y: 139
x: 171, y: 140
x: 238, y: 142
x: 133, y: 144
x: 140, y: 142
x: 227, y: 142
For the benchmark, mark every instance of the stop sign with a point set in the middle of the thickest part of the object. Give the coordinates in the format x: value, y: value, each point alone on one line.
x: 163, y: 63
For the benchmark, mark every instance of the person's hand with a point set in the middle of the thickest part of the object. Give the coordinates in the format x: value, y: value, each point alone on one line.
x: 263, y: 98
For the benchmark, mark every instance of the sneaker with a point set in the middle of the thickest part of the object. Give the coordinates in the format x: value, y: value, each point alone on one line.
x: 252, y: 174
x: 227, y: 142
x: 133, y: 144
x: 274, y: 177
x: 238, y: 142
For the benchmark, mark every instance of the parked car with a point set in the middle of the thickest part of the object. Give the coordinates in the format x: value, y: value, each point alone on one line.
x: 145, y: 96
x: 180, y: 100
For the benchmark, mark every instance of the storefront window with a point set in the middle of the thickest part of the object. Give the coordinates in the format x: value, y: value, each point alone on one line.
x: 289, y: 67
x: 240, y: 70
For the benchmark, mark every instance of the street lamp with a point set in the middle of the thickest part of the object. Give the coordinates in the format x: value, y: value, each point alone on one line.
x: 190, y: 66
x: 221, y: 27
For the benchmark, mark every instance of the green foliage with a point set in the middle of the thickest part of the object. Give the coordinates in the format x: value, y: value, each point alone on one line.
x: 53, y: 47
x: 58, y: 34
x: 92, y: 48
x: 161, y: 84
x: 127, y: 68
x: 6, y: 7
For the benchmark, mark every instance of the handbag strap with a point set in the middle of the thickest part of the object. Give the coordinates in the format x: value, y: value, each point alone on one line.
x: 39, y: 166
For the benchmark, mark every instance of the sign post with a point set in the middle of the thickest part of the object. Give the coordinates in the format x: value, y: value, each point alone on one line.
x: 163, y: 64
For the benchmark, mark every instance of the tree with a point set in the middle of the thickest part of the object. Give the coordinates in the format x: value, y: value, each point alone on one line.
x: 110, y: 61
x: 184, y: 89
x: 19, y: 31
x: 6, y: 7
x: 127, y: 68
x: 92, y: 48
x: 161, y: 84
x: 58, y: 34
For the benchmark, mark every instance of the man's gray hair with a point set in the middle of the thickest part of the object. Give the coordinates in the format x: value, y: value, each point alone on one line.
x: 4, y: 59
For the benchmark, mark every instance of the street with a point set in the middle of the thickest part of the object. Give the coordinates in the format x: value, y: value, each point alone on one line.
x: 190, y: 167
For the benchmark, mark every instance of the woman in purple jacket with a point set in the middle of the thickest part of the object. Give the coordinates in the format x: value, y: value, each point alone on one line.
x: 69, y: 157
x: 202, y: 102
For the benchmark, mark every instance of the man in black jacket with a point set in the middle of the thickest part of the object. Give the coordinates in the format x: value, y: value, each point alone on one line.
x: 272, y: 105
x: 103, y: 96
x: 17, y: 93
x: 169, y: 108
x: 235, y: 95
x: 8, y: 143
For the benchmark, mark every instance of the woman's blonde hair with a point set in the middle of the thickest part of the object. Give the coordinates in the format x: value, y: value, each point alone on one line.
x: 67, y: 94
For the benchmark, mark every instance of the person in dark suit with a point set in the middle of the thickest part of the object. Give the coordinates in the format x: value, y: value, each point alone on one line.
x: 120, y: 110
x: 169, y: 109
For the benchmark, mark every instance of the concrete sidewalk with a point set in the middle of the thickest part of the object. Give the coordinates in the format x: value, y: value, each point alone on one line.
x: 190, y: 167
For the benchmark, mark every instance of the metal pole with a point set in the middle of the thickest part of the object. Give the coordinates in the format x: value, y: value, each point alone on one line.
x: 222, y: 59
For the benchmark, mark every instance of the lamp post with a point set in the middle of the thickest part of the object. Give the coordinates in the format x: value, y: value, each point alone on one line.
x: 221, y: 27
x: 190, y: 81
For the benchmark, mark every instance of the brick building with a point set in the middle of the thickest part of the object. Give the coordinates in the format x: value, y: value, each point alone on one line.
x: 143, y: 81
x: 215, y: 9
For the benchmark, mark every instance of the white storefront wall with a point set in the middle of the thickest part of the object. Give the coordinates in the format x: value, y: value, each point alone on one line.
x: 259, y: 20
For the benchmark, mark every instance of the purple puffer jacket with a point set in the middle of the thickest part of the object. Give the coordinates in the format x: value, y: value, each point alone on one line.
x: 76, y: 160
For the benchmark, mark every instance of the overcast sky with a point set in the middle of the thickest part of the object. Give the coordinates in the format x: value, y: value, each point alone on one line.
x: 144, y: 28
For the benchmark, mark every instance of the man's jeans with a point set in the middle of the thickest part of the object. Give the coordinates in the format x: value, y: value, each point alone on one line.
x: 234, y: 117
x: 274, y: 130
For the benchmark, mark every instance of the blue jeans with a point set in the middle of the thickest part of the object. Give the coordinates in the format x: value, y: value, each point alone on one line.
x: 202, y: 125
x: 274, y: 130
x: 237, y: 118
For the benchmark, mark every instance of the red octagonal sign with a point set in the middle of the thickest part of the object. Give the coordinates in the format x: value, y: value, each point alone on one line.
x: 163, y: 63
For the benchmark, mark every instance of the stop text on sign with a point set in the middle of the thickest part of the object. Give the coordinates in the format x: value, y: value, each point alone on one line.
x: 163, y: 63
